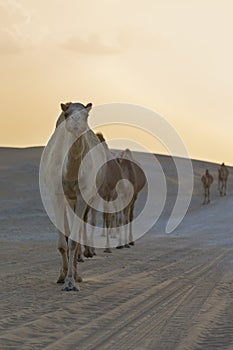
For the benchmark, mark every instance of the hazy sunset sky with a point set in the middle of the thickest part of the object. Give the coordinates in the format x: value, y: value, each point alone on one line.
x: 172, y: 56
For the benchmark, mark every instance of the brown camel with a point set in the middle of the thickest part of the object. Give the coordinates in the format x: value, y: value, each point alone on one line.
x: 207, y: 180
x: 108, y: 188
x: 108, y: 193
x: 223, y: 174
x: 133, y: 172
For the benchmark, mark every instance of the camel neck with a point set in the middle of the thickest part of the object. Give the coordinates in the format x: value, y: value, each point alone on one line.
x: 73, y: 160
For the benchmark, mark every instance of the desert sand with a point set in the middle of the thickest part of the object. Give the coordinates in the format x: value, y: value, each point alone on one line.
x: 169, y: 291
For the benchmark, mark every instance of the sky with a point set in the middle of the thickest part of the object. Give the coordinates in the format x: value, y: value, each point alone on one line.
x: 171, y: 56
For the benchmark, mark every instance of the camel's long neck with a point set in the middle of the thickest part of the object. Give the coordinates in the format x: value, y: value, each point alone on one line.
x: 73, y: 161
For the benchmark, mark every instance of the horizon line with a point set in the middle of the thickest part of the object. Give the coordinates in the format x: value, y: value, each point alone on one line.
x: 155, y: 153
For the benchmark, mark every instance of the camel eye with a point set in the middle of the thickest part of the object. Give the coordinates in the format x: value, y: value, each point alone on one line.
x: 66, y: 115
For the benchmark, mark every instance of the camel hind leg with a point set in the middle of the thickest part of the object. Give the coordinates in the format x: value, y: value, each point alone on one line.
x: 62, y: 248
x: 126, y: 225
x: 80, y: 256
x: 107, y: 217
x: 219, y: 186
x: 119, y: 223
x: 90, y: 249
x: 131, y: 216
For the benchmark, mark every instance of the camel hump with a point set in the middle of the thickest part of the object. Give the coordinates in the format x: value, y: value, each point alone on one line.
x: 100, y: 136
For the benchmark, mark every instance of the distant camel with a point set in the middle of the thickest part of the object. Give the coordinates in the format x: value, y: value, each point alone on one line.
x: 69, y: 144
x: 207, y: 180
x: 223, y: 173
x: 134, y: 174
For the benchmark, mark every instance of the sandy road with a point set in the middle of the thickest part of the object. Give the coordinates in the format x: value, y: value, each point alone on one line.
x: 164, y: 296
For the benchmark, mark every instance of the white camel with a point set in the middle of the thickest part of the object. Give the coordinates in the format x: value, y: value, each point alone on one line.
x: 66, y: 179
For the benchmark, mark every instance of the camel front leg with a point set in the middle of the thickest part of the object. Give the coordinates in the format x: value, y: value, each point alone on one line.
x: 208, y: 195
x: 205, y: 194
x: 87, y: 253
x: 62, y: 230
x: 77, y: 277
x: 225, y: 188
x: 93, y: 225
x: 70, y: 278
x: 73, y: 245
x: 119, y: 229
x: 87, y: 243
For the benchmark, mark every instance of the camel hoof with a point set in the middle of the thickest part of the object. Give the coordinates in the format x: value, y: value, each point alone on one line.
x: 131, y: 243
x: 70, y: 289
x: 107, y: 250
x: 120, y: 247
x: 87, y: 253
x: 69, y: 285
x: 62, y: 276
x: 78, y: 279
x: 61, y: 280
x: 127, y: 246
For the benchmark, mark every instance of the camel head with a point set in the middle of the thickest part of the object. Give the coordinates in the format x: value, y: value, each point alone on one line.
x: 76, y: 115
x: 126, y: 154
x: 100, y: 137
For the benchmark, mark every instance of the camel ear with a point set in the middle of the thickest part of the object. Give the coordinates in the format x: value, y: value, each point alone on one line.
x: 64, y: 107
x: 88, y: 107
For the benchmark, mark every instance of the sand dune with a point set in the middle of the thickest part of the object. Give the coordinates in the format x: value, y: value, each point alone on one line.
x: 168, y: 292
